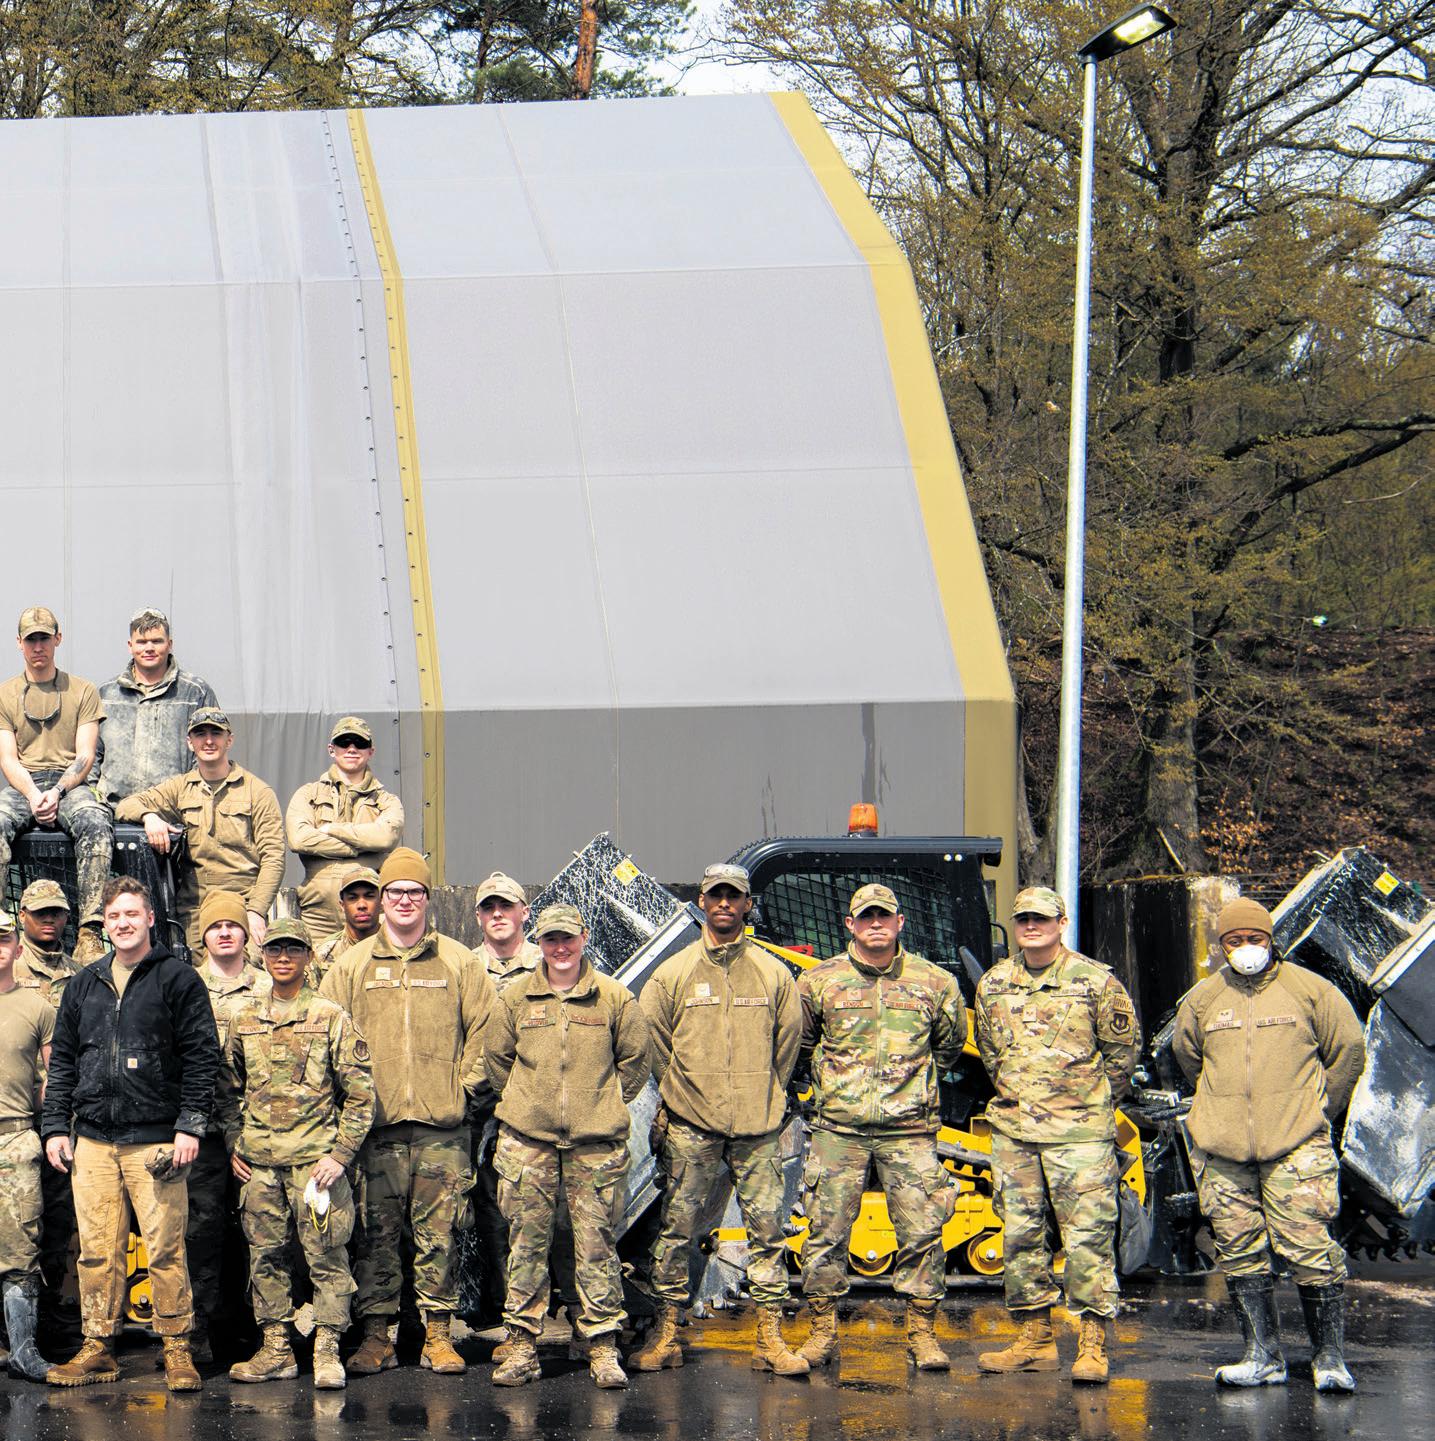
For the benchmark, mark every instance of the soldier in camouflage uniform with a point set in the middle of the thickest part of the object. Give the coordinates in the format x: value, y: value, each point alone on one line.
x: 1274, y: 1052
x: 359, y: 901
x: 211, y: 1234
x: 422, y: 1002
x: 45, y: 967
x: 1058, y: 1034
x: 296, y: 1099
x: 726, y: 1024
x: 27, y: 1023
x: 880, y: 1023
x: 567, y: 1051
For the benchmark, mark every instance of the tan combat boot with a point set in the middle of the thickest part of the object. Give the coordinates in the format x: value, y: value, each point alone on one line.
x: 376, y: 1352
x: 273, y: 1361
x: 603, y: 1364
x: 1090, y: 1364
x: 820, y: 1348
x: 521, y: 1364
x: 661, y: 1348
x: 1033, y: 1350
x: 922, y: 1337
x: 179, y: 1372
x: 328, y: 1369
x: 93, y: 1362
x: 771, y: 1352
x: 438, y: 1353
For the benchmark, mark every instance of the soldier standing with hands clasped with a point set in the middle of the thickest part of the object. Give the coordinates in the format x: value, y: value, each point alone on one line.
x: 1058, y: 1034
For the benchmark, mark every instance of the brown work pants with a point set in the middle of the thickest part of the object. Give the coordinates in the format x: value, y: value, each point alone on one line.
x: 109, y: 1180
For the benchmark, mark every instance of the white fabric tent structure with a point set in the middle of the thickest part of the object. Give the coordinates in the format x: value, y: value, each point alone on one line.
x: 593, y: 451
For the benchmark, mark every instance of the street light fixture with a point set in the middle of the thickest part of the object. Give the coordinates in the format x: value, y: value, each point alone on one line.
x: 1134, y: 28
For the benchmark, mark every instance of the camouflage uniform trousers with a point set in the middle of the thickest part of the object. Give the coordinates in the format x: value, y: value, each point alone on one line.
x: 416, y: 1181
x: 109, y: 1181
x: 20, y: 1205
x: 270, y: 1197
x: 1283, y: 1206
x: 1080, y: 1180
x: 210, y: 1238
x: 531, y: 1175
x: 920, y: 1195
x: 695, y: 1161
x: 84, y: 818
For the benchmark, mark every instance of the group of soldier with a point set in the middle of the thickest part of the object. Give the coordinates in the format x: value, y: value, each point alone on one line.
x: 352, y: 1087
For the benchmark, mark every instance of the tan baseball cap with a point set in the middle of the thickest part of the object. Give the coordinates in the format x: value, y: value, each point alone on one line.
x: 209, y: 715
x: 562, y: 919
x: 358, y: 875
x: 352, y: 725
x: 7, y: 923
x: 873, y: 894
x: 38, y: 619
x: 726, y: 874
x: 1038, y: 901
x: 289, y: 928
x: 502, y: 886
x: 44, y: 895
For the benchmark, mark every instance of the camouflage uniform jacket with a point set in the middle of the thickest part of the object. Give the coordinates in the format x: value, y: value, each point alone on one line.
x: 877, y: 1041
x: 295, y: 1084
x: 1060, y: 1045
x: 334, y: 946
x: 44, y: 971
x: 726, y: 1024
x: 423, y: 1010
x: 514, y: 970
x: 1272, y: 1056
x: 228, y: 993
x: 364, y: 823
x: 234, y: 830
x: 566, y: 1065
x: 145, y: 729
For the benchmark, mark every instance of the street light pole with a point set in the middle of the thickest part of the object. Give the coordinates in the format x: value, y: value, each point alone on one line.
x: 1132, y: 29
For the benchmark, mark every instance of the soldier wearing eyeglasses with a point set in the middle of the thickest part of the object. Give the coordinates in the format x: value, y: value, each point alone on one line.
x: 343, y: 819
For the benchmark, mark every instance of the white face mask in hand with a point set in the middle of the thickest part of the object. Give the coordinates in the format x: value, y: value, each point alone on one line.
x: 1249, y: 960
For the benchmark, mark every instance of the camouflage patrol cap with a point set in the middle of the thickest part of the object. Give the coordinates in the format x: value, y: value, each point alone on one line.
x: 209, y: 715
x: 44, y: 895
x: 502, y: 886
x: 1038, y: 901
x: 38, y: 620
x: 289, y: 928
x: 560, y: 920
x: 873, y: 894
x: 7, y: 923
x: 352, y: 725
x: 726, y: 875
x: 357, y: 876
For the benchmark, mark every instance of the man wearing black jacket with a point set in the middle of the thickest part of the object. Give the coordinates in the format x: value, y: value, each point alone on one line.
x: 132, y: 1072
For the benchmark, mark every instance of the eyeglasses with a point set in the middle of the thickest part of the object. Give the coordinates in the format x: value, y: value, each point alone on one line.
x: 348, y: 743
x: 286, y: 948
x: 410, y: 894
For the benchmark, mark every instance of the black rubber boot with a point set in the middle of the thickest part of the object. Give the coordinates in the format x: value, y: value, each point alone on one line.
x: 1324, y: 1308
x: 21, y: 1308
x: 1254, y: 1298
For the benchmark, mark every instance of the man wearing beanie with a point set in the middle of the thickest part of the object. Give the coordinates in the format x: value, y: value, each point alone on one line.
x: 1274, y: 1052
x: 421, y: 1001
x: 212, y: 1233
x: 1058, y: 1034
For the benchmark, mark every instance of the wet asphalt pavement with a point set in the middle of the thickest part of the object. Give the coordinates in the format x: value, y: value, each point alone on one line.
x: 1167, y: 1343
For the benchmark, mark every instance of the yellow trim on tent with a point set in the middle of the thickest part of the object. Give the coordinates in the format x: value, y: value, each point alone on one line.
x: 989, y: 760
x: 411, y: 483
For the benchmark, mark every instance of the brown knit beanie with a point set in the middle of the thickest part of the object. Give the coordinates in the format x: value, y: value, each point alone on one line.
x: 222, y: 906
x: 405, y: 865
x: 1244, y: 914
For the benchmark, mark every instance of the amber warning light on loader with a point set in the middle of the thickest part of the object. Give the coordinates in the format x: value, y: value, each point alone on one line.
x: 862, y: 820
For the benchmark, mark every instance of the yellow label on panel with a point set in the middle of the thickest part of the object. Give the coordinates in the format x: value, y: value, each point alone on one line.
x: 626, y: 872
x: 1385, y: 883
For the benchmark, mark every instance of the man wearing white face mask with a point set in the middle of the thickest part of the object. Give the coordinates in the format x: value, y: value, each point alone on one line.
x: 1274, y: 1052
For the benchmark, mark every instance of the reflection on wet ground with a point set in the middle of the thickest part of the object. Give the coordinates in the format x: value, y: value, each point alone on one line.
x: 1167, y: 1344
